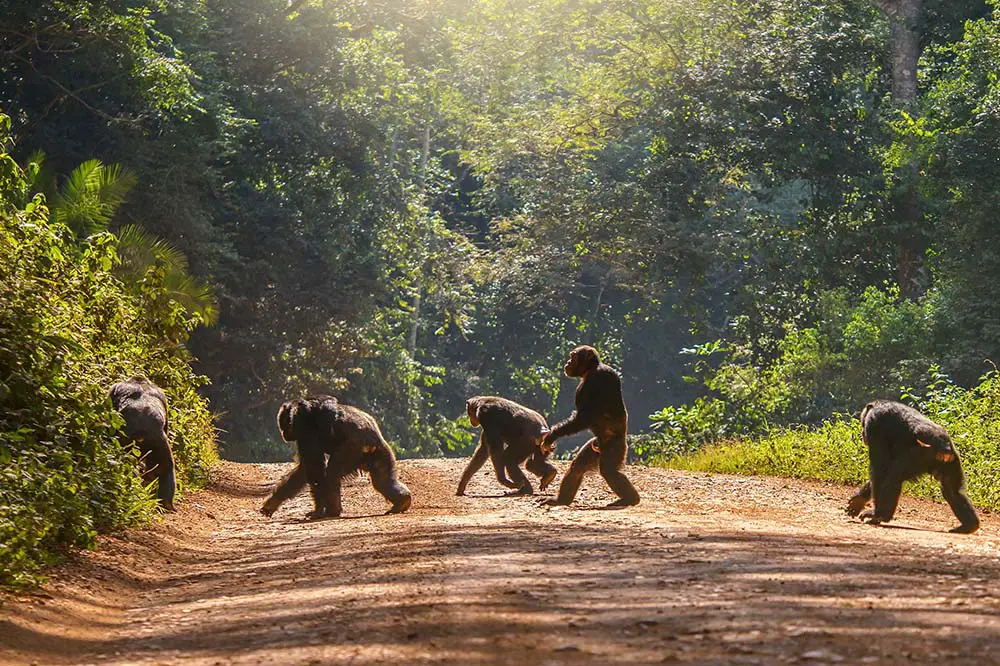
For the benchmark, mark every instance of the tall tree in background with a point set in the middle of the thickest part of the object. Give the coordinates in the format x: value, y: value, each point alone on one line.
x: 909, y: 226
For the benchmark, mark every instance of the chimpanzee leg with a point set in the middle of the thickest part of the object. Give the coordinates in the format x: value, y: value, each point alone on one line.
x: 334, y: 501
x: 287, y: 488
x: 953, y: 488
x: 314, y: 460
x: 513, y: 457
x: 859, y: 500
x: 158, y: 463
x: 383, y: 473
x: 879, y: 463
x: 478, y: 460
x: 586, y: 460
x: 613, y: 453
x: 495, y: 443
x: 908, y: 464
x: 540, y: 467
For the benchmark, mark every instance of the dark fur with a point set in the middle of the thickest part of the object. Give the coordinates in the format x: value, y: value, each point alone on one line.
x: 511, y: 434
x: 321, y: 427
x: 144, y: 407
x: 902, y: 445
x: 601, y: 409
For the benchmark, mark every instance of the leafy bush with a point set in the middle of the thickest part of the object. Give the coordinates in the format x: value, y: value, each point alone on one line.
x: 857, y: 351
x: 68, y: 329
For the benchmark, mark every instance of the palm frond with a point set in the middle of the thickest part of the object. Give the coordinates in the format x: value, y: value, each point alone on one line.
x: 140, y: 250
x: 90, y: 196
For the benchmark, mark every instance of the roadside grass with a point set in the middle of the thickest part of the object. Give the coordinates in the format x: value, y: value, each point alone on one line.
x: 834, y: 452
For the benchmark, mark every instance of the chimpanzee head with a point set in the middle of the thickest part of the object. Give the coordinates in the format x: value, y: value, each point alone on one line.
x: 472, y: 407
x: 288, y: 415
x: 582, y: 360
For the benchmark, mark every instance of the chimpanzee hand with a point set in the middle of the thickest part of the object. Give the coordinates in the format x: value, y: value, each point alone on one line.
x: 270, y: 506
x: 856, y: 505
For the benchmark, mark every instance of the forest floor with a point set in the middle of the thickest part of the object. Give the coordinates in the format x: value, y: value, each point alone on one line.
x: 708, y: 569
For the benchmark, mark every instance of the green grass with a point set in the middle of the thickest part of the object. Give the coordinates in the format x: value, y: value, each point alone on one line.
x: 834, y: 452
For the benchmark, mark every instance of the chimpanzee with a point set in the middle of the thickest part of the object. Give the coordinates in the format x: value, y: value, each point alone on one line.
x: 144, y: 407
x: 321, y: 427
x: 521, y: 429
x: 601, y: 408
x: 902, y: 445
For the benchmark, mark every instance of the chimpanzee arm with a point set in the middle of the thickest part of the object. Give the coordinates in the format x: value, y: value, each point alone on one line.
x: 478, y: 460
x: 578, y: 420
x: 589, y: 398
x: 289, y: 486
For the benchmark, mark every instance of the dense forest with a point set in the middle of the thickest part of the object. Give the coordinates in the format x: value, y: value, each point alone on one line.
x: 762, y: 212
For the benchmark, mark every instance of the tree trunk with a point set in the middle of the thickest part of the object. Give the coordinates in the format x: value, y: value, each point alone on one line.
x: 904, y: 20
x: 425, y: 149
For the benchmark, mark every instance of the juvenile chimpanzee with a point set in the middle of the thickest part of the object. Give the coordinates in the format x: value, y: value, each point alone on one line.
x: 321, y: 427
x: 521, y: 429
x: 902, y: 445
x: 144, y: 407
x: 599, y: 407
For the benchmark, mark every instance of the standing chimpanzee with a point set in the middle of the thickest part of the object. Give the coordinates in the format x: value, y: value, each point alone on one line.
x: 144, y: 407
x: 321, y: 427
x: 902, y: 445
x: 521, y: 429
x: 599, y: 407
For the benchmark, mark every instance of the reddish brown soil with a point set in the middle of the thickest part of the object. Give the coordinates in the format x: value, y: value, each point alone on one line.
x: 709, y: 569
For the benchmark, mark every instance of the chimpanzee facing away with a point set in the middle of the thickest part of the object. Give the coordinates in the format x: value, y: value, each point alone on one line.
x: 601, y: 408
x: 902, y: 445
x: 320, y: 426
x: 521, y: 429
x: 144, y: 407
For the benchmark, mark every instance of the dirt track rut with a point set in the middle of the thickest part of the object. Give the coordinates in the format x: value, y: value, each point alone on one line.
x: 708, y: 569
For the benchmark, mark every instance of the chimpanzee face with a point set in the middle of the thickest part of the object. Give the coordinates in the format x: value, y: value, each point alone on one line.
x: 286, y: 419
x: 471, y: 407
x: 582, y: 360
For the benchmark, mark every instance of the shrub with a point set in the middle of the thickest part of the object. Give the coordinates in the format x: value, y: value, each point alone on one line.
x: 68, y: 329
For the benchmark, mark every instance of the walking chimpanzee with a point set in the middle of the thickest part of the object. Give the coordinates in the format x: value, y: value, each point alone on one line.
x: 902, y: 445
x: 144, y: 407
x: 512, y: 433
x: 320, y: 426
x: 601, y: 408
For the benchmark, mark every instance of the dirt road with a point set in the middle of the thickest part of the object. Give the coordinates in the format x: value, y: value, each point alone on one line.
x: 709, y: 569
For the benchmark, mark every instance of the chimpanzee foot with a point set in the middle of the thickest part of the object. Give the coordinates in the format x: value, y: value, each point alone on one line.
x: 400, y: 506
x: 523, y: 490
x: 965, y: 529
x: 317, y: 514
x: 621, y: 502
x: 552, y: 501
x: 547, y: 479
x: 870, y: 518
